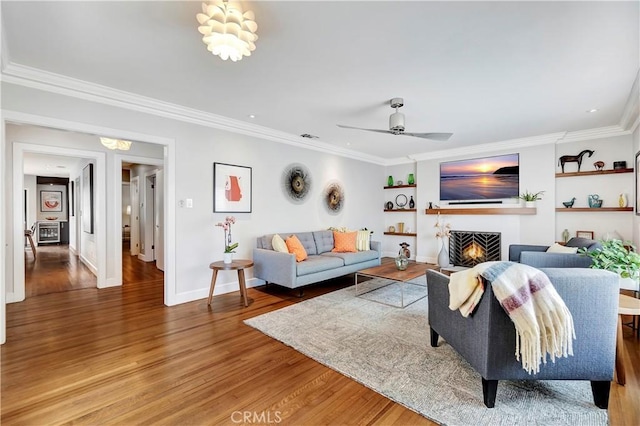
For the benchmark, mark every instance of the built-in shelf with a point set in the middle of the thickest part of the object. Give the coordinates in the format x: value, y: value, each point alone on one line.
x: 593, y: 209
x: 413, y: 185
x: 485, y: 211
x: 594, y: 172
x: 405, y: 234
x: 400, y: 210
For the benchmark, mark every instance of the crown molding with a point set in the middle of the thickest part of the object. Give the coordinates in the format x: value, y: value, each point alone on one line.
x: 494, y: 146
x: 55, y: 83
x: 631, y: 112
x: 597, y: 133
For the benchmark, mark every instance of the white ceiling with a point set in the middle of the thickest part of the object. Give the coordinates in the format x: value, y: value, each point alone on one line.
x: 49, y: 165
x: 485, y: 71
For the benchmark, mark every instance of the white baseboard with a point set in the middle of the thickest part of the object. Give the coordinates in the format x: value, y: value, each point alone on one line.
x: 203, y: 293
x: 12, y: 298
x: 145, y: 258
x: 112, y: 282
x: 89, y: 265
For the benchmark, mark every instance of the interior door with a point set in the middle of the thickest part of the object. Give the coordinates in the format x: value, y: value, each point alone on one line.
x: 134, y: 187
x: 158, y: 240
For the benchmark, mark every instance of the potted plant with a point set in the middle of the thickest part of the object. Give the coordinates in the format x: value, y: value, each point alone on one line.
x: 530, y: 198
x: 618, y: 257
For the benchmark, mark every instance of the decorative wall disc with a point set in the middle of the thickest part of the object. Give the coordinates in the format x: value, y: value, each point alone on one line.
x: 296, y: 181
x: 334, y: 197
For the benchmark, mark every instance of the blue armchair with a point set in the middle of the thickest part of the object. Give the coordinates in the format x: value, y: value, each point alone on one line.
x: 537, y: 256
x: 486, y: 339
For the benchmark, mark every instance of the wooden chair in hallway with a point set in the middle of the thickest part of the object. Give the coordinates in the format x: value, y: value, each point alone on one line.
x: 28, y: 233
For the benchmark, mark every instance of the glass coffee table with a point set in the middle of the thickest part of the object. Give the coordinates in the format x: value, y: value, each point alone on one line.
x: 386, y: 284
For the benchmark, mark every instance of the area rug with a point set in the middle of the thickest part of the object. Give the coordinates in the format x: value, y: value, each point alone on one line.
x: 387, y: 349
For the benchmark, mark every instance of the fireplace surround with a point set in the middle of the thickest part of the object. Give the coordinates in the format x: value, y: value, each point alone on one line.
x: 468, y: 248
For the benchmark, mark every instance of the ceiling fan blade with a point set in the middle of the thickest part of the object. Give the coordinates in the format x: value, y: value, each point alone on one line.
x: 361, y: 128
x: 433, y: 136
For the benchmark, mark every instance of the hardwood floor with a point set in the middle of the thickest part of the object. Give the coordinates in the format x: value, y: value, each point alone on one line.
x: 55, y: 269
x: 119, y: 356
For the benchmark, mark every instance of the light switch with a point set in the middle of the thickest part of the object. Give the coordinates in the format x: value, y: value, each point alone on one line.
x: 189, y: 203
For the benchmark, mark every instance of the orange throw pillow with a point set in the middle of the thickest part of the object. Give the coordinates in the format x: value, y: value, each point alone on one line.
x: 295, y: 246
x: 344, y: 242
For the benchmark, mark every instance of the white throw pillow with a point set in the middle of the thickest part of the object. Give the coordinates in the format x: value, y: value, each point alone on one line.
x: 363, y: 240
x: 278, y: 244
x: 557, y: 248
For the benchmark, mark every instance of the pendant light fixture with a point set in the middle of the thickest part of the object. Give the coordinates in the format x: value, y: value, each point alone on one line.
x: 227, y: 31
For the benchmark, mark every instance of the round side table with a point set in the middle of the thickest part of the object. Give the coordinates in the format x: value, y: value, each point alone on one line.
x: 239, y: 265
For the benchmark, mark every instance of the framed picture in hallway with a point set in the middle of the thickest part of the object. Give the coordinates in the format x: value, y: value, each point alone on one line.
x: 50, y: 201
x: 87, y: 199
x: 231, y: 188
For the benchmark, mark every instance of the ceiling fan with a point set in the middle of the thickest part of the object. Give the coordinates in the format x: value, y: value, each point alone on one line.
x: 396, y: 125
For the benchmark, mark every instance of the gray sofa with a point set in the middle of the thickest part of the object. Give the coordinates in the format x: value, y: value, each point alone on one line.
x: 536, y: 255
x: 486, y: 339
x: 322, y: 264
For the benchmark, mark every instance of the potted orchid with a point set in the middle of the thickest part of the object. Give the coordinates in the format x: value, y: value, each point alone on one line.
x: 229, y: 247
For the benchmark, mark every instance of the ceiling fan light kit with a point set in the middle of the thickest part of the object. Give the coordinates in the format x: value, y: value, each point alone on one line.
x: 396, y: 125
x: 227, y: 31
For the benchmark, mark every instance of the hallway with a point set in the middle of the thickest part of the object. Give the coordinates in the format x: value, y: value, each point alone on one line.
x: 57, y: 270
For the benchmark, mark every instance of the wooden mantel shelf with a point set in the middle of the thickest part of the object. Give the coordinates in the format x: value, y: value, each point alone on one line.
x: 485, y: 211
x: 594, y: 209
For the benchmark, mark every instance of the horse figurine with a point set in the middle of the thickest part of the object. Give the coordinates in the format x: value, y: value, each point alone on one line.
x: 599, y: 165
x: 574, y: 158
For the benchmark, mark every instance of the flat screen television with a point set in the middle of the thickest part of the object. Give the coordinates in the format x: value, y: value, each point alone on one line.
x: 480, y: 179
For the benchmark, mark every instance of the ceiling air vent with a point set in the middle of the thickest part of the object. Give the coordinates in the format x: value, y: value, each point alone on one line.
x: 308, y: 136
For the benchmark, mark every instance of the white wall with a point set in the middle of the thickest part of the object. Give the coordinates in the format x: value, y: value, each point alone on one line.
x: 198, y: 241
x: 32, y: 204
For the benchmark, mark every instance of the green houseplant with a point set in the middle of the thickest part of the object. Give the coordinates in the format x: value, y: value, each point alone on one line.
x: 615, y: 256
x: 530, y: 196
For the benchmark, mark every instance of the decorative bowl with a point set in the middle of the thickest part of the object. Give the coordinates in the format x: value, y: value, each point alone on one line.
x: 596, y: 204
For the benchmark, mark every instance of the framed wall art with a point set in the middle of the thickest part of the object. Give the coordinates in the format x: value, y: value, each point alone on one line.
x: 231, y: 188
x: 50, y: 201
x: 585, y: 234
x: 87, y: 199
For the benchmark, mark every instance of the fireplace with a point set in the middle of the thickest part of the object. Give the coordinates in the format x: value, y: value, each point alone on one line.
x: 468, y: 248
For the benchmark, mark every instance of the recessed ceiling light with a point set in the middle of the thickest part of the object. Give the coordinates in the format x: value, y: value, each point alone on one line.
x: 348, y: 143
x: 592, y: 110
x: 251, y: 116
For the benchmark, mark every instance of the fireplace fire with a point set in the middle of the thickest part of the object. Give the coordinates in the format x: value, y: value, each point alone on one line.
x: 468, y: 248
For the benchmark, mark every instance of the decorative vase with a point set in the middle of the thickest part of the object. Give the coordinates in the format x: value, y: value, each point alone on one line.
x: 411, y: 180
x: 565, y: 235
x: 401, y: 227
x: 227, y: 257
x: 622, y: 200
x: 390, y: 181
x: 401, y: 261
x: 412, y: 204
x: 443, y: 256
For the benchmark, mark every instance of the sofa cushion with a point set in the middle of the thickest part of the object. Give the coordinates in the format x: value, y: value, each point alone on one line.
x: 363, y: 240
x: 583, y: 242
x: 265, y: 242
x: 351, y: 258
x: 344, y: 242
x: 557, y: 248
x: 278, y: 244
x: 306, y: 238
x: 317, y: 263
x: 295, y: 246
x: 324, y: 241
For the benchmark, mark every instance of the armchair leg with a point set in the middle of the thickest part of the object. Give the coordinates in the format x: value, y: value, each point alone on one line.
x: 434, y: 338
x: 489, y: 390
x: 600, y: 391
x: 300, y: 292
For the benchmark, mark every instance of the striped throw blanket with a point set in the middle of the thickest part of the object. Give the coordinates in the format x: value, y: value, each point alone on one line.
x: 542, y: 321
